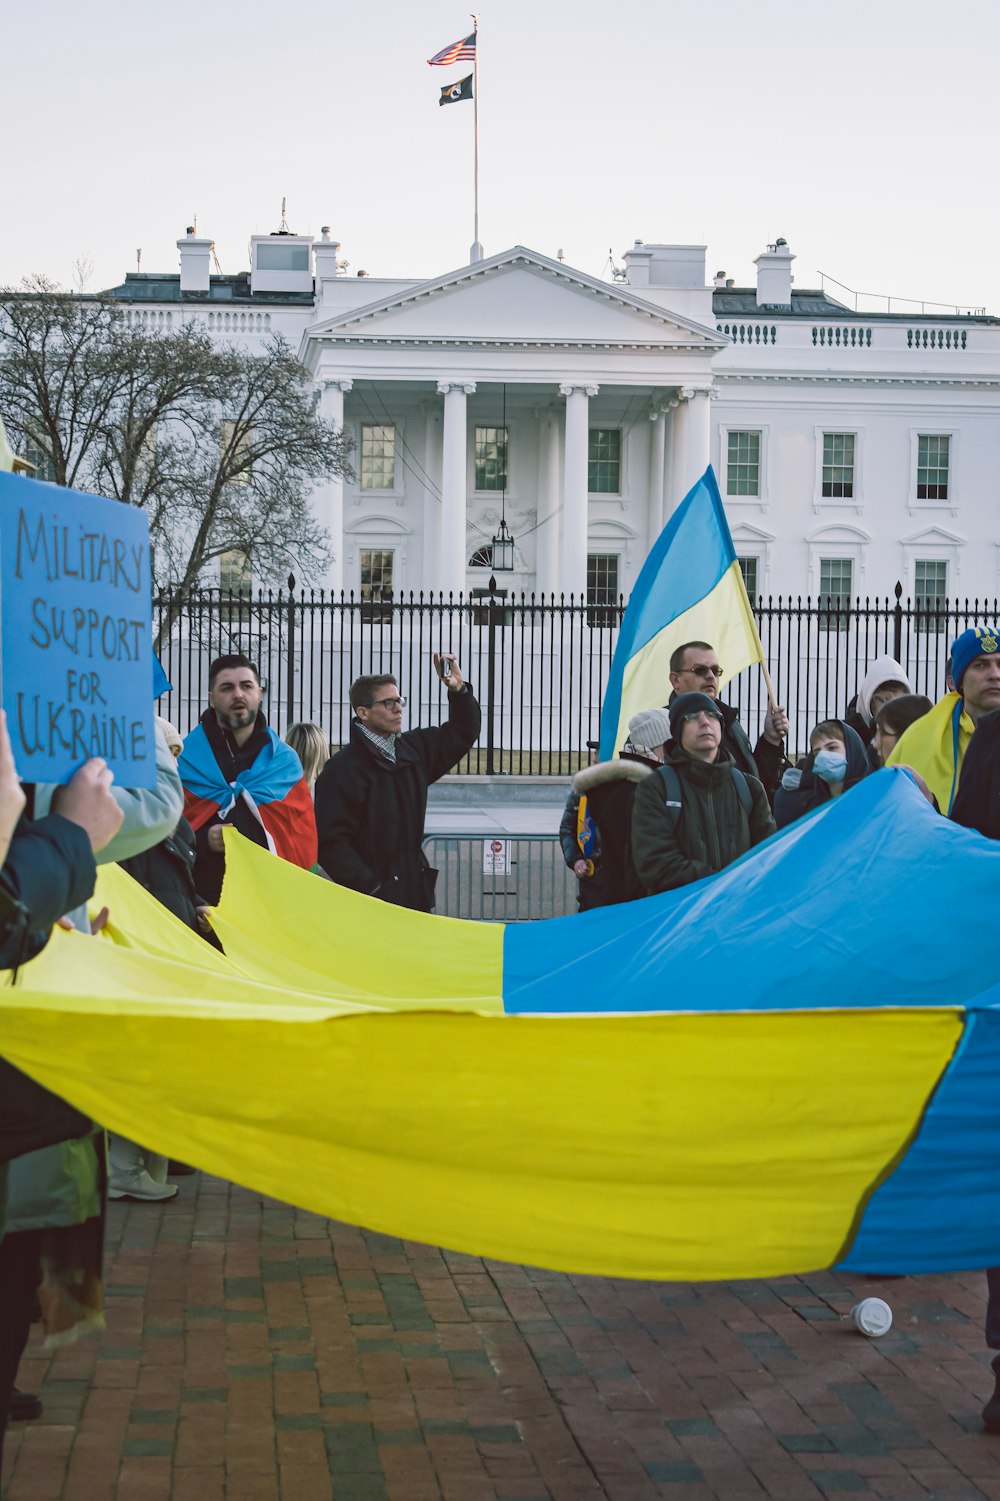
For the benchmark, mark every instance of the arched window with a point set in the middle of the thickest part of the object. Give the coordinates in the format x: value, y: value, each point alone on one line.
x: 482, y: 557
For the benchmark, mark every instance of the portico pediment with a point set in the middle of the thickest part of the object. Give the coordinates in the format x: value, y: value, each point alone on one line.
x: 517, y: 300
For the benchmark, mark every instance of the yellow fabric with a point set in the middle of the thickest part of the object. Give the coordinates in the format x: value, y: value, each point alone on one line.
x: 928, y: 746
x: 723, y: 618
x: 667, y: 1146
x: 283, y: 926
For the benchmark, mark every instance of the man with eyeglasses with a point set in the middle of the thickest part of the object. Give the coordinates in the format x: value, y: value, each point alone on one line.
x: 695, y: 668
x: 371, y: 797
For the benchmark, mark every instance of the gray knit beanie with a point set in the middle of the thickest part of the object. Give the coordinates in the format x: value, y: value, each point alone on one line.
x: 649, y: 729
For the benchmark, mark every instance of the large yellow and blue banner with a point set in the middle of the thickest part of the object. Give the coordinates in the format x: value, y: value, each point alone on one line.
x: 787, y: 1066
x: 690, y: 589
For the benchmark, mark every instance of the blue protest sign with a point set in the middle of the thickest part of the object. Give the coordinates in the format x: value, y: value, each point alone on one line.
x: 75, y: 632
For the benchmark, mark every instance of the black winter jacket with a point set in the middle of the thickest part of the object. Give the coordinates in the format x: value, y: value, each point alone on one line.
x: 712, y: 830
x: 167, y: 872
x: 609, y: 788
x: 801, y: 790
x: 370, y: 811
x: 977, y: 801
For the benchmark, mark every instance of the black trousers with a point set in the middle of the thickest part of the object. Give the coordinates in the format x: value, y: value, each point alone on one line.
x: 20, y: 1274
x: 993, y: 1307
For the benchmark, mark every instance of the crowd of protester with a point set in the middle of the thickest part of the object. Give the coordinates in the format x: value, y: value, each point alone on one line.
x: 685, y: 797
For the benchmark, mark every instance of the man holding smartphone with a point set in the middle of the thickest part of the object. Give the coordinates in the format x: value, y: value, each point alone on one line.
x: 371, y: 797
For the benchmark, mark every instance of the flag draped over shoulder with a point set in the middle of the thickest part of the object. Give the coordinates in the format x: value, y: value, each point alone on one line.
x: 690, y: 589
x: 935, y: 746
x: 454, y: 93
x: 274, y: 789
x: 463, y: 51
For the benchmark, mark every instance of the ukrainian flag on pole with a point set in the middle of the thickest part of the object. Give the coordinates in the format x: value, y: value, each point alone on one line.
x: 690, y: 589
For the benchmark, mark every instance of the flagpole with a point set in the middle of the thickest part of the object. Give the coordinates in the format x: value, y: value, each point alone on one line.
x: 476, y: 253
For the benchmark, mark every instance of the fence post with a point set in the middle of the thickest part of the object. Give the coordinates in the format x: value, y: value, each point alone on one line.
x: 290, y: 669
x: 897, y: 625
x: 491, y: 674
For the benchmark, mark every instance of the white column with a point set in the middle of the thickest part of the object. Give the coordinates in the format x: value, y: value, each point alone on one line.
x: 657, y: 459
x: 330, y: 496
x: 451, y: 571
x: 573, y: 571
x: 549, y: 505
x: 694, y: 419
x: 431, y: 541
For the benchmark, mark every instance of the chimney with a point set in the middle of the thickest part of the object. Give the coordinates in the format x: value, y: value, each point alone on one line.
x: 720, y: 280
x: 196, y: 262
x: 325, y: 253
x: 774, y: 276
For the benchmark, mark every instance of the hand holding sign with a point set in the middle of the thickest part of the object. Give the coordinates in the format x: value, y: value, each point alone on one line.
x: 86, y: 800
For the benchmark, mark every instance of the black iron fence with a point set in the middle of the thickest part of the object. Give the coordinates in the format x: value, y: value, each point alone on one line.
x: 539, y: 665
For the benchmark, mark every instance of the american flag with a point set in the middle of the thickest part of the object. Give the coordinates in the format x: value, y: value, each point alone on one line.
x: 459, y: 52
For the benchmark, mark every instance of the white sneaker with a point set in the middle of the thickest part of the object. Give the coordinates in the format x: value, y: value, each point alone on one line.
x: 136, y: 1183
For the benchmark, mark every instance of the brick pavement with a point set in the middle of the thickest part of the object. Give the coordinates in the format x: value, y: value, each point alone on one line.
x: 257, y: 1353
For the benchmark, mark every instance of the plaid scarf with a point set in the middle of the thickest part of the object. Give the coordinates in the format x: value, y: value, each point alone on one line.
x: 384, y: 744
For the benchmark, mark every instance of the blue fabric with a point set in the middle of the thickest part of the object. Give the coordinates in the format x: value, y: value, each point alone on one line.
x: 161, y: 683
x: 686, y: 562
x: 940, y: 1210
x: 270, y: 779
x: 852, y: 905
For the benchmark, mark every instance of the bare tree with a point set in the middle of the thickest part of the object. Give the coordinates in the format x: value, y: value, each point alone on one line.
x: 219, y: 446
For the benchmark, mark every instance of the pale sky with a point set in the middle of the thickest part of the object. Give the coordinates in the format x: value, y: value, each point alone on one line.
x: 863, y: 132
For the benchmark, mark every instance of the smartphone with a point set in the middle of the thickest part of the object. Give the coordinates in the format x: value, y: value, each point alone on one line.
x: 445, y: 667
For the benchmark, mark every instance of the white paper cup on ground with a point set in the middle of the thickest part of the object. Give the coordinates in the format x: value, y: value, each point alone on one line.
x: 872, y: 1316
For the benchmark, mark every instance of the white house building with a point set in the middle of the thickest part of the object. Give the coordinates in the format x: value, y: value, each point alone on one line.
x: 852, y: 449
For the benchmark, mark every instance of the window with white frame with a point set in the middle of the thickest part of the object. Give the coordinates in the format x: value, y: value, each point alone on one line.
x: 378, y: 456
x: 602, y: 588
x: 482, y: 557
x: 235, y: 572
x: 491, y: 458
x: 604, y: 461
x: 749, y: 567
x: 930, y: 588
x: 836, y: 585
x: 376, y: 573
x: 743, y: 463
x: 838, y: 466
x: 933, y: 461
x: 43, y: 465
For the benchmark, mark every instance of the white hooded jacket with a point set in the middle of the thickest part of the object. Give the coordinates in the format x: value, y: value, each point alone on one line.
x: 882, y: 670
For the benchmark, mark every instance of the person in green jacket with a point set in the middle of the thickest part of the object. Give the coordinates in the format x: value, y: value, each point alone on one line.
x: 700, y: 812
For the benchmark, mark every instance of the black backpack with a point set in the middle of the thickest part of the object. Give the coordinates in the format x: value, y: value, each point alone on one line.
x: 674, y: 792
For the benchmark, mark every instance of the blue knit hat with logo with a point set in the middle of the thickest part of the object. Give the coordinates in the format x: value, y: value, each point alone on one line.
x: 977, y: 641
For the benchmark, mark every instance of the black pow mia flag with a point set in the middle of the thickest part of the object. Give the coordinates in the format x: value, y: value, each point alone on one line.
x: 454, y: 93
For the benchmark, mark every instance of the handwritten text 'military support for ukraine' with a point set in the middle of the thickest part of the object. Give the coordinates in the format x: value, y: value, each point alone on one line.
x: 79, y: 720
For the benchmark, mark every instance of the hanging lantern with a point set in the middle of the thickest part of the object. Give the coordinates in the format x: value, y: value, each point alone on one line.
x: 503, y: 549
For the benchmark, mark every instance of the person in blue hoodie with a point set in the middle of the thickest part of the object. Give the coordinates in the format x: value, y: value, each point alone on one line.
x: 837, y: 760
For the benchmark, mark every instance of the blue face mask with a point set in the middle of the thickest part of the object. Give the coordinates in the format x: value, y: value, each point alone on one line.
x: 830, y: 767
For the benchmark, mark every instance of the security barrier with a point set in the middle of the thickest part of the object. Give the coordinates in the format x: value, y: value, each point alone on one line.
x: 516, y: 878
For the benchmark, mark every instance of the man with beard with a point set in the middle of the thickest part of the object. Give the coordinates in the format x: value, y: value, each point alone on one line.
x: 237, y: 772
